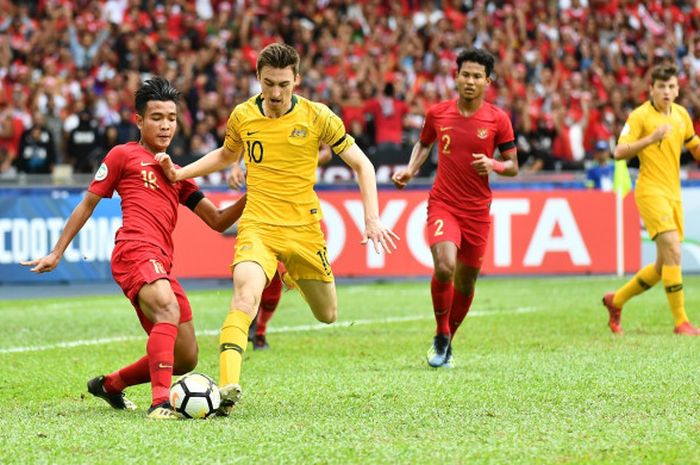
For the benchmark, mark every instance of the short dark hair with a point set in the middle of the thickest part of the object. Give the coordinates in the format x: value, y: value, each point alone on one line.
x: 477, y: 55
x: 156, y: 88
x: 278, y: 56
x: 663, y: 73
x: 389, y: 90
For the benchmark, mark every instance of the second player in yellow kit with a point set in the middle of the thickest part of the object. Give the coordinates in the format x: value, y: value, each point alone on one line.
x: 278, y: 135
x: 656, y: 131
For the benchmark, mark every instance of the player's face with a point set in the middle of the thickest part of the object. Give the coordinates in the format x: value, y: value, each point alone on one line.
x: 663, y: 93
x: 158, y: 125
x: 471, y: 81
x: 277, y: 87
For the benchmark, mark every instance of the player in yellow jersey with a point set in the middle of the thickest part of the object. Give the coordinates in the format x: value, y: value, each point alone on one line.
x: 655, y: 132
x: 278, y: 134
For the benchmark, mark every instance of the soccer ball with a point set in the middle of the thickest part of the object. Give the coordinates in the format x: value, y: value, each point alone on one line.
x: 195, y: 395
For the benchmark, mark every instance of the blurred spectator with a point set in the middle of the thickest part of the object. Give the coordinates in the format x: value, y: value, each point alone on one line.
x: 83, y: 42
x: 109, y: 138
x: 11, y: 129
x: 54, y: 124
x: 357, y: 131
x: 540, y: 141
x: 352, y: 110
x: 37, y: 154
x: 7, y: 130
x: 600, y: 174
x: 127, y: 130
x: 388, y: 114
x: 84, y: 148
x: 581, y: 63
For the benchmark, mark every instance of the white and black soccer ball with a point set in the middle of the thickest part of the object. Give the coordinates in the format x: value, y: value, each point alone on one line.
x: 195, y: 395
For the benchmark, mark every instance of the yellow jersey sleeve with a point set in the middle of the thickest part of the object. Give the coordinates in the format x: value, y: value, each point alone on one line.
x: 690, y: 139
x: 232, y: 140
x: 632, y: 130
x: 332, y: 130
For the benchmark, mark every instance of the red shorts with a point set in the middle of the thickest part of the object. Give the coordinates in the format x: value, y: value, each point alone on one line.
x: 137, y: 263
x: 470, y: 233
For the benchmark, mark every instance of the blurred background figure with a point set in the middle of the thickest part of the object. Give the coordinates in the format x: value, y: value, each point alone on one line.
x: 37, y: 153
x: 84, y: 148
x: 380, y: 65
x: 600, y: 174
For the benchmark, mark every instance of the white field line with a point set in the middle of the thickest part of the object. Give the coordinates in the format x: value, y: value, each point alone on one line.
x: 280, y: 329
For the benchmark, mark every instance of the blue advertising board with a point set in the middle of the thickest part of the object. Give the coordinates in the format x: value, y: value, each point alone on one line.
x: 31, y: 221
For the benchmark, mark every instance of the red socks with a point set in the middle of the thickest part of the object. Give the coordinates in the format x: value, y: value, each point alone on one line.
x: 442, y: 301
x: 161, y: 354
x: 460, y: 307
x: 136, y: 373
x: 156, y: 366
x: 268, y: 303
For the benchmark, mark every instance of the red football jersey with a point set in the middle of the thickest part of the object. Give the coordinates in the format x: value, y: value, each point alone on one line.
x: 149, y: 201
x: 388, y: 118
x: 457, y: 183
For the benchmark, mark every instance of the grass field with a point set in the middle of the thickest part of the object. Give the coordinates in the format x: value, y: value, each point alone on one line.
x: 539, y: 380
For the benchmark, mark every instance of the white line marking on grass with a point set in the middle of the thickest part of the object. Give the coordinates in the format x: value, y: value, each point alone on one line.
x: 281, y: 329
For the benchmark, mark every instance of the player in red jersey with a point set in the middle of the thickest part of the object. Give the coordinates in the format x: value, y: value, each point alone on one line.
x: 468, y: 131
x: 143, y: 252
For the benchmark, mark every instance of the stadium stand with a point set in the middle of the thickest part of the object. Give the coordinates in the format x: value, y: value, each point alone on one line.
x: 568, y: 71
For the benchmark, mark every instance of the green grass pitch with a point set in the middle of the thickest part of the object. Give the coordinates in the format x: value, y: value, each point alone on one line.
x: 539, y: 380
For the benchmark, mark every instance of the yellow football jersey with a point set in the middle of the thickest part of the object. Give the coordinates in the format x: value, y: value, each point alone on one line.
x: 659, y: 163
x: 281, y: 155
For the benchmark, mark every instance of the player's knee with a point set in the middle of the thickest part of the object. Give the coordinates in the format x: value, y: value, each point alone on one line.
x: 444, y: 271
x: 328, y: 317
x: 328, y: 314
x: 166, y: 312
x: 186, y: 363
x: 245, y: 303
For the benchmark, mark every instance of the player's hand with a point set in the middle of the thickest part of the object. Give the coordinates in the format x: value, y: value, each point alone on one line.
x: 482, y: 164
x: 660, y: 132
x: 401, y: 178
x: 235, y: 178
x: 381, y: 237
x: 167, y: 165
x: 44, y: 264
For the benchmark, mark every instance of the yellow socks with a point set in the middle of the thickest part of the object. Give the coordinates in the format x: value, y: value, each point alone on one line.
x: 232, y: 343
x: 673, y: 284
x: 645, y: 279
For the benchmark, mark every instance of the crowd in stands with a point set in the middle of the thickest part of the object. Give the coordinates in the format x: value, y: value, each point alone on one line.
x: 568, y: 72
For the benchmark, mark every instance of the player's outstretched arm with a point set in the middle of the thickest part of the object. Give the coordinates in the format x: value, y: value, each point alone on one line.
x: 419, y: 155
x: 375, y: 231
x: 81, y: 213
x: 216, y: 160
x: 219, y: 219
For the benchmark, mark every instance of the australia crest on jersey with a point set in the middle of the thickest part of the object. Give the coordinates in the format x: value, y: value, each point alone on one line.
x: 482, y: 133
x: 298, y: 132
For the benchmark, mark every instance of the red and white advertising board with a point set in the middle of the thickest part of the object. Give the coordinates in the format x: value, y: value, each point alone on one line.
x: 533, y: 232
